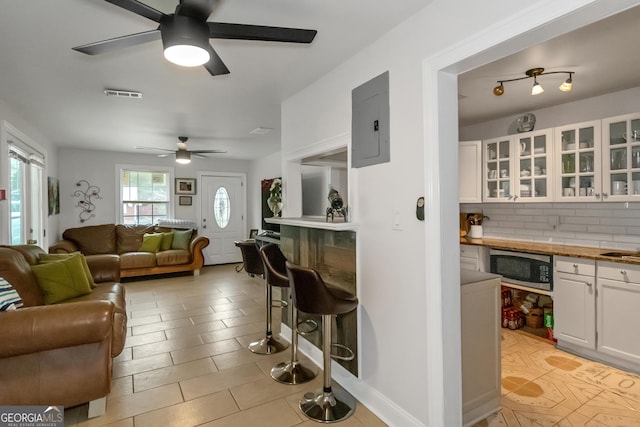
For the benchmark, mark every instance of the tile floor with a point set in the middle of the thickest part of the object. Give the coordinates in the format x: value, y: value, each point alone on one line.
x: 186, y: 362
x: 542, y: 386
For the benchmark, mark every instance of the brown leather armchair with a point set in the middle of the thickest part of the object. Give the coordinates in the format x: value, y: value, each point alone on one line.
x: 62, y: 353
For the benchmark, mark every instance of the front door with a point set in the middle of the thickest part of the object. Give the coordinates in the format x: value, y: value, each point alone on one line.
x: 222, y: 217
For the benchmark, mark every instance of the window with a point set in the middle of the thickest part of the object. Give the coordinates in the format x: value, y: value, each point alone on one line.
x: 222, y: 207
x: 145, y: 195
x: 26, y: 165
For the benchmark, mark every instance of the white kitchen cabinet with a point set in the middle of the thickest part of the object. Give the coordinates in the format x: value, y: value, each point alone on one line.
x: 574, y: 302
x: 621, y: 158
x: 474, y: 258
x: 519, y: 168
x: 470, y: 171
x: 578, y: 167
x: 480, y: 320
x: 618, y: 312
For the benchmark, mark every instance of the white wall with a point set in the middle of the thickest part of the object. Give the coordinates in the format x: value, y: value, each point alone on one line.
x: 392, y: 280
x: 34, y: 134
x: 99, y: 169
x: 596, y: 108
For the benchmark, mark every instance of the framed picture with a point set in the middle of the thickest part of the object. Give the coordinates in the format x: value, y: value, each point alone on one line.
x: 185, y: 186
x: 253, y: 233
x: 184, y: 200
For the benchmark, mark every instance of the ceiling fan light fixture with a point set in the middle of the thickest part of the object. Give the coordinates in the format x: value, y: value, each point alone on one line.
x: 185, y: 41
x: 183, y: 157
x: 567, y: 85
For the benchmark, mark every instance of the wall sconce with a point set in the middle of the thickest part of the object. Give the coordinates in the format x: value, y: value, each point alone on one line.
x: 537, y: 89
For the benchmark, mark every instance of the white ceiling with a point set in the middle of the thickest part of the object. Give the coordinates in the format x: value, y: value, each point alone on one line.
x: 603, y: 55
x: 60, y: 91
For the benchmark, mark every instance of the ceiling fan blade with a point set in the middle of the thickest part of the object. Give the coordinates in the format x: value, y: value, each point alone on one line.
x: 208, y: 151
x: 215, y: 66
x: 221, y: 30
x: 110, y: 45
x: 153, y: 148
x: 200, y: 156
x: 200, y: 9
x: 139, y: 9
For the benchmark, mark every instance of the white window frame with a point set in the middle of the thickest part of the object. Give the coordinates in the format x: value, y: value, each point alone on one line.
x: 143, y: 168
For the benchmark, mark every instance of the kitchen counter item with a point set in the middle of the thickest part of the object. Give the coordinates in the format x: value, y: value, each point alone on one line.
x: 475, y: 232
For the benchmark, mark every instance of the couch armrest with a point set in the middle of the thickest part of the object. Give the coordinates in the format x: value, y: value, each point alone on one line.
x: 104, y: 268
x: 47, y: 327
x: 63, y: 247
x: 196, y: 247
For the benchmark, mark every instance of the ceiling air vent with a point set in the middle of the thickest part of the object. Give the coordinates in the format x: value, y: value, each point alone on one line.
x: 122, y: 93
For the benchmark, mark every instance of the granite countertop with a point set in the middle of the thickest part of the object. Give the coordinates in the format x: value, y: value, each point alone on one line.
x: 628, y: 257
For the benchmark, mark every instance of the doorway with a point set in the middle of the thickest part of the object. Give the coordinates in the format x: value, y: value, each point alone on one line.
x: 532, y: 25
x: 222, y: 217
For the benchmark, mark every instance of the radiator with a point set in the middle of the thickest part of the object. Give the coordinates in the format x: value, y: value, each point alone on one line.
x: 177, y: 223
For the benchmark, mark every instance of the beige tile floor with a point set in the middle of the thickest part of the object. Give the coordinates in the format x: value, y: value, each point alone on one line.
x: 186, y: 362
x: 543, y: 386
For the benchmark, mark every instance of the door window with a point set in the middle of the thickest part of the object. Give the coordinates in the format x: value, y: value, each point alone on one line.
x: 222, y: 207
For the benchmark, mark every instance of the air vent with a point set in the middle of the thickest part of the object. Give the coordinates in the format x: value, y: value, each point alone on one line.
x: 122, y: 93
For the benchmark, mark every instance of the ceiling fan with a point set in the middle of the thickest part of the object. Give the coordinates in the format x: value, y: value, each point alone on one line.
x: 185, y: 34
x: 183, y: 156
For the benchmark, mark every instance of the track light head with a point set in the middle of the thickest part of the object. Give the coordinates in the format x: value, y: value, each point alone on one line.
x: 498, y: 90
x: 567, y: 85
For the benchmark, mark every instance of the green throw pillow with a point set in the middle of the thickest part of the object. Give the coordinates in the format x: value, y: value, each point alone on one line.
x: 45, y: 258
x: 181, y: 239
x: 62, y: 280
x: 151, y: 242
x: 167, y: 241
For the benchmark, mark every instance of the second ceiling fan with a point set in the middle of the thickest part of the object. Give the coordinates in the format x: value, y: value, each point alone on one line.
x: 183, y: 156
x: 185, y: 34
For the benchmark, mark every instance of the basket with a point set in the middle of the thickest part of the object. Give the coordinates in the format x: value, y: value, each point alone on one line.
x: 535, y: 318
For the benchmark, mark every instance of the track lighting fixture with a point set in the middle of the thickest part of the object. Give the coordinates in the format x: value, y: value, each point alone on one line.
x: 537, y: 89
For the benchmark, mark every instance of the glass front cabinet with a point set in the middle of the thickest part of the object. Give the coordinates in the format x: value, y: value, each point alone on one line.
x: 577, y: 166
x: 517, y: 168
x: 621, y: 158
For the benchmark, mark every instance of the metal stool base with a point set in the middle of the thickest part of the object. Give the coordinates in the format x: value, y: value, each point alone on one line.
x: 293, y: 373
x: 327, y: 407
x: 268, y: 345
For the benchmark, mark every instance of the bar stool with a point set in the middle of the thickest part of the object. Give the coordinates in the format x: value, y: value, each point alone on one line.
x: 254, y: 266
x: 293, y: 371
x: 311, y: 295
x: 251, y: 260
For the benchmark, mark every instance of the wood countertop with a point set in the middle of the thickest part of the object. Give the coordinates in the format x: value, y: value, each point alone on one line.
x: 628, y: 257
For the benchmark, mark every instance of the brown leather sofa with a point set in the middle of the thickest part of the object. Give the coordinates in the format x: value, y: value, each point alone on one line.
x: 62, y: 353
x: 125, y: 241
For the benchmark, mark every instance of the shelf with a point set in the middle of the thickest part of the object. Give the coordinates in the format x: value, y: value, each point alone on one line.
x: 527, y: 289
x: 315, y: 222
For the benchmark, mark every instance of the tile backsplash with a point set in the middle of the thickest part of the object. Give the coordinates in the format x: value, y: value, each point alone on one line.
x: 603, y: 225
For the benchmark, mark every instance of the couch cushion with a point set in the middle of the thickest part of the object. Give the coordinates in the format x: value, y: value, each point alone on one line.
x: 173, y: 257
x: 137, y: 260
x: 93, y: 239
x: 151, y: 242
x: 62, y: 280
x: 45, y: 258
x: 181, y: 239
x: 17, y: 271
x: 167, y: 241
x: 9, y: 298
x: 129, y: 237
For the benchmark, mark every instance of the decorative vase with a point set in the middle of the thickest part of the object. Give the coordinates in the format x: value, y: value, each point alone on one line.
x: 274, y: 205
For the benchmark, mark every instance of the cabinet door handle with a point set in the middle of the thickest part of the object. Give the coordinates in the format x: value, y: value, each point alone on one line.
x: 589, y: 284
x: 605, y: 195
x: 623, y: 272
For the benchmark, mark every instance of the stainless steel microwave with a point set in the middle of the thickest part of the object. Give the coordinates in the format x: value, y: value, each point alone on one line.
x: 522, y: 268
